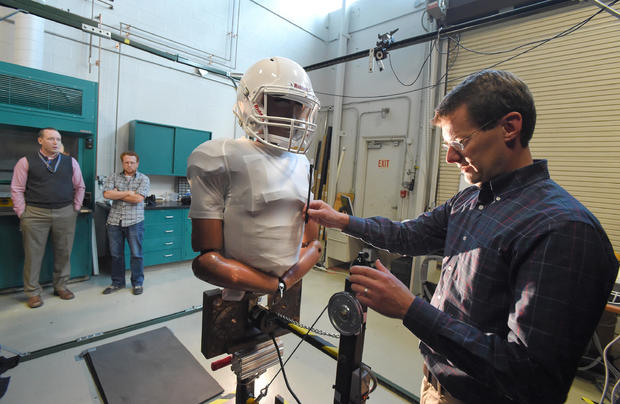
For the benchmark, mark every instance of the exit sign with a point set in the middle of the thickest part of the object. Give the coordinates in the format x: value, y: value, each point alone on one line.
x: 384, y: 163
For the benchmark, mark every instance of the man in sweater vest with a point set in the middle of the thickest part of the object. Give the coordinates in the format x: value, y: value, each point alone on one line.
x: 47, y: 191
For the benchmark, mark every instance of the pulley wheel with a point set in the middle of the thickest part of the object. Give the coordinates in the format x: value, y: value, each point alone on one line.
x: 345, y: 313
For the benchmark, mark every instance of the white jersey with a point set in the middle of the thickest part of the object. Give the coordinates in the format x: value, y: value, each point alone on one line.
x: 259, y: 193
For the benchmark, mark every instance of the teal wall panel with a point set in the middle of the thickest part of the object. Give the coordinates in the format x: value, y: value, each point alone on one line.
x: 39, y: 115
x: 31, y: 99
x: 12, y: 252
x: 185, y: 141
x: 165, y: 148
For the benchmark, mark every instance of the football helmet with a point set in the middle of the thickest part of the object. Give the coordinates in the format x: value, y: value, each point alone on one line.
x: 276, y: 104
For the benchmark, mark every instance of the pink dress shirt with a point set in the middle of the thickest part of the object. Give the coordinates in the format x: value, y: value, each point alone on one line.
x: 20, y: 176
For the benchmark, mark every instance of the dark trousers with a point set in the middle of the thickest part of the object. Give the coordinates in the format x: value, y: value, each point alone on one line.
x: 134, y: 235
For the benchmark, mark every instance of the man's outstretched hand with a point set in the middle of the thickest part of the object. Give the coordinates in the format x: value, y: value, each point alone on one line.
x: 380, y: 290
x: 323, y: 214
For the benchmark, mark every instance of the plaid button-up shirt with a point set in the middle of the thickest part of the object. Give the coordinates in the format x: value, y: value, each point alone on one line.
x: 526, y: 273
x: 127, y: 213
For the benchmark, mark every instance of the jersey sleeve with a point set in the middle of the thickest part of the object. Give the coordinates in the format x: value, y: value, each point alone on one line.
x: 209, y: 179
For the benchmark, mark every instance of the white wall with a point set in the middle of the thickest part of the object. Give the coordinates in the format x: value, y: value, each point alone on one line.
x: 142, y: 86
x: 410, y: 111
x: 233, y: 34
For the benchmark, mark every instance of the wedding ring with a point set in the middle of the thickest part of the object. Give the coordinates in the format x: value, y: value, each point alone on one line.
x: 365, y: 291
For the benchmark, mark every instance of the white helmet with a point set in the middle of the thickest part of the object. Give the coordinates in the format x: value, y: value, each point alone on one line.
x: 276, y: 104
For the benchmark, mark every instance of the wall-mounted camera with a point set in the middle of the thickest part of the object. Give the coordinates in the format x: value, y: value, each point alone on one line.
x: 380, y: 51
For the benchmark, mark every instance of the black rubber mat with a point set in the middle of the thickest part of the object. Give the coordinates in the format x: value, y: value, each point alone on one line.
x: 152, y: 367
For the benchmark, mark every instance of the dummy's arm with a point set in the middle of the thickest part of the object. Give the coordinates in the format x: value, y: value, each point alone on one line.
x: 212, y: 267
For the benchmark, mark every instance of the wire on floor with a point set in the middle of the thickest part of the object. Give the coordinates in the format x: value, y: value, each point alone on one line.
x: 263, y: 391
x: 288, y: 386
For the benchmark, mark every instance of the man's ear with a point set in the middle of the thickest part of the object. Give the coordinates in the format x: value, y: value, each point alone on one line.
x: 512, y: 124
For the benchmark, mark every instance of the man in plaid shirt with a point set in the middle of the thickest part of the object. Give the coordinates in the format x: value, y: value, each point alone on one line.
x: 126, y: 221
x: 526, y: 271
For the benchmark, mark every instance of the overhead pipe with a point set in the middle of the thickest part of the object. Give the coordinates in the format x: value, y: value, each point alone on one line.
x: 78, y: 22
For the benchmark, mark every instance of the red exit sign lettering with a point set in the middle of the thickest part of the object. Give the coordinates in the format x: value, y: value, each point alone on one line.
x: 384, y: 163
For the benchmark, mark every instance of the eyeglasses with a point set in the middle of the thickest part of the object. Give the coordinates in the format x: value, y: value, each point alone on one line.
x: 458, y: 145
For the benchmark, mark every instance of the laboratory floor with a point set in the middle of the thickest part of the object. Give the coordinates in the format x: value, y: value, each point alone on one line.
x: 63, y: 377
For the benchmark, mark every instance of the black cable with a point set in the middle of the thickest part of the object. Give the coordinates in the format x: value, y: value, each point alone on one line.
x: 430, y: 53
x: 263, y: 391
x: 288, y: 386
x: 561, y: 34
x: 439, y: 82
x: 234, y: 83
x: 425, y: 13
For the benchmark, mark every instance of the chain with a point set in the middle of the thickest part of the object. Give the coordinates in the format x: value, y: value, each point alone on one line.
x: 314, y: 330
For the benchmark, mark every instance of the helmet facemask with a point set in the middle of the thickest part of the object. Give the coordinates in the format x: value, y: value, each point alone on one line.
x: 276, y: 105
x: 282, y: 120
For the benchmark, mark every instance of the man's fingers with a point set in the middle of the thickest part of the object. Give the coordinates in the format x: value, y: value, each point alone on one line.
x: 359, y: 281
x: 315, y: 204
x: 357, y: 288
x: 362, y: 293
x: 369, y: 272
x: 380, y: 266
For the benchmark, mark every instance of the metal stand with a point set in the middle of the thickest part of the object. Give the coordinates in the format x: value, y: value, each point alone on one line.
x: 352, y: 377
x: 243, y: 328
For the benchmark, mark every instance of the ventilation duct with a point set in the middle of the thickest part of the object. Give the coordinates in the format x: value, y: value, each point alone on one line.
x: 27, y: 93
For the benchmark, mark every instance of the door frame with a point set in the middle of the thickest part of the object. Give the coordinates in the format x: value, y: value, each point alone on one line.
x: 359, y: 208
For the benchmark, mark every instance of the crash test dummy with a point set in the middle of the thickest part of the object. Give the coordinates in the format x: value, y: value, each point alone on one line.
x: 248, y: 194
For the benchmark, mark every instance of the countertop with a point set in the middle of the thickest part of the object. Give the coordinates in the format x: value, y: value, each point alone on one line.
x: 167, y: 205
x: 8, y: 211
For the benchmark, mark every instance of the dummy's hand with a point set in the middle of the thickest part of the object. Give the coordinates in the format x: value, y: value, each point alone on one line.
x: 327, y: 216
x: 380, y: 290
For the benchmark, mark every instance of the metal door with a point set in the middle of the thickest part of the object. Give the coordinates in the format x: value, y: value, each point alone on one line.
x: 383, y: 177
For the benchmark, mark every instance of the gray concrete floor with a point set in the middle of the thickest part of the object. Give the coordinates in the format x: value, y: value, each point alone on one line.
x: 63, y: 377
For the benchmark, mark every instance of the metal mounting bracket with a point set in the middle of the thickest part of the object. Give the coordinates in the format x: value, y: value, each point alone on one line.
x: 96, y: 31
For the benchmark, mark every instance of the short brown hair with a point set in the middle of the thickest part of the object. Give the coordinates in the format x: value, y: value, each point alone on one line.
x: 44, y: 129
x: 488, y: 96
x: 130, y: 153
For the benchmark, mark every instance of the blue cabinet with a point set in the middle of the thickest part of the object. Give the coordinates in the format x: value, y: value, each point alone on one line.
x: 164, y: 149
x: 167, y: 237
x: 185, y: 141
x: 154, y: 144
x: 12, y: 252
x: 188, y: 253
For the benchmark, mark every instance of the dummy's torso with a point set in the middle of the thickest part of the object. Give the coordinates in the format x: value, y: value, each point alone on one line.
x: 259, y: 193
